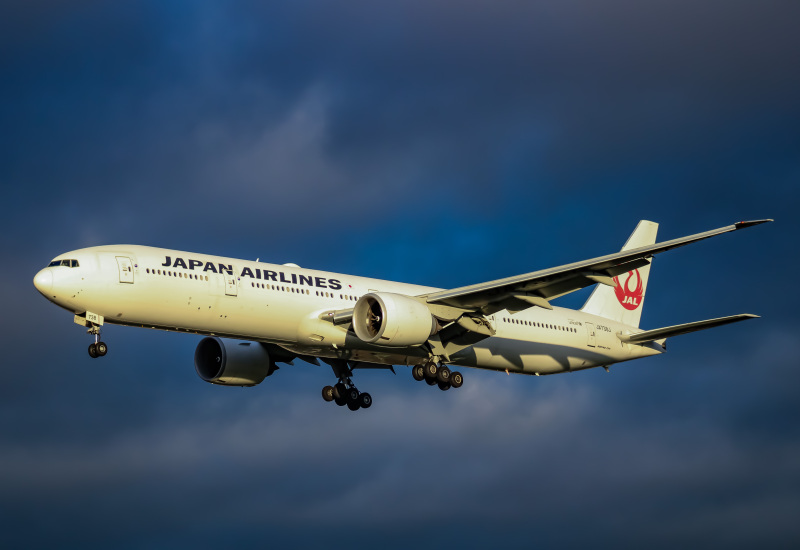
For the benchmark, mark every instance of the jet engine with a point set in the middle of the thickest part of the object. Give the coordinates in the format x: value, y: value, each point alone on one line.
x: 394, y: 320
x: 231, y: 363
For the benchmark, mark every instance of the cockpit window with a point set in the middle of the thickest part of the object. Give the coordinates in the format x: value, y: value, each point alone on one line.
x: 67, y: 263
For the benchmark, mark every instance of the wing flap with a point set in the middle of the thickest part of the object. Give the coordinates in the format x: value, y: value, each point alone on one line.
x: 677, y: 330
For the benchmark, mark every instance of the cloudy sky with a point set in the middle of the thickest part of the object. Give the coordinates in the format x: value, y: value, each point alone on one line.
x: 440, y: 143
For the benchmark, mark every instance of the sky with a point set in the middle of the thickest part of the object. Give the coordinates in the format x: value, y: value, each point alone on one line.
x: 441, y: 143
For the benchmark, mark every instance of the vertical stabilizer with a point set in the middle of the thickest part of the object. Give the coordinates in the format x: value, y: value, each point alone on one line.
x: 624, y: 303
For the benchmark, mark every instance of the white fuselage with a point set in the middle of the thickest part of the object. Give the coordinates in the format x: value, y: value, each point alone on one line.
x: 287, y: 305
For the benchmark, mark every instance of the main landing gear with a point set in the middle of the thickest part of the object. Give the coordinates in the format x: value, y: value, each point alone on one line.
x: 437, y: 375
x: 98, y: 348
x: 345, y: 393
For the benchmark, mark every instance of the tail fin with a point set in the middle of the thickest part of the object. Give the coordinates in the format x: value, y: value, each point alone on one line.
x: 624, y: 303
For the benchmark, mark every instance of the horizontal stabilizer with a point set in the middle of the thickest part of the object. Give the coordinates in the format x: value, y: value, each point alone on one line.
x: 667, y: 332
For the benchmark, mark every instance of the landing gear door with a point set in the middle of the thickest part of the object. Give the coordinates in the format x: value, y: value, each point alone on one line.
x: 591, y: 335
x: 230, y: 284
x: 125, y: 269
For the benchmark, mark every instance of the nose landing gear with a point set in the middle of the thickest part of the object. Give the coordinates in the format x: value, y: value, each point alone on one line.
x: 98, y: 348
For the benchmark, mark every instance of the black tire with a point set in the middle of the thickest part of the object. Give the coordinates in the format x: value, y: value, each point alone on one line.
x: 418, y: 372
x: 431, y: 381
x: 102, y: 349
x: 93, y: 351
x: 339, y: 390
x: 353, y: 405
x: 444, y: 386
x: 365, y: 400
x: 351, y: 395
x: 456, y: 379
x: 327, y: 393
x: 443, y: 375
x: 341, y: 401
x: 430, y: 371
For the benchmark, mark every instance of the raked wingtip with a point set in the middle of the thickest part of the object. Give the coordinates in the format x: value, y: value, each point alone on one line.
x: 751, y: 223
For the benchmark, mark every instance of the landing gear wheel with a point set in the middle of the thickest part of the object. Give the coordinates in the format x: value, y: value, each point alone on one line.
x: 456, y: 379
x: 418, y: 372
x: 341, y: 401
x: 431, y: 381
x: 430, y: 371
x: 327, y: 393
x: 443, y: 375
x: 444, y: 386
x: 96, y: 348
x: 353, y: 405
x: 351, y: 395
x: 339, y: 390
x: 365, y: 400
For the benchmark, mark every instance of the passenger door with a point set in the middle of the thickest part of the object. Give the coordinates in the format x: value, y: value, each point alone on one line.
x: 125, y: 269
x: 230, y: 284
x: 591, y: 334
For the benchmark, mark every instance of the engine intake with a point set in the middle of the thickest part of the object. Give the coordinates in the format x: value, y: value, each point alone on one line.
x: 391, y: 319
x: 231, y: 363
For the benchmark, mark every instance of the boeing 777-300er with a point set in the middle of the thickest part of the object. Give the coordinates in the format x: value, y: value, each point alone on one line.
x: 256, y: 315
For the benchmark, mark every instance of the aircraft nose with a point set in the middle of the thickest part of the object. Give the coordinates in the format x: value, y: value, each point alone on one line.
x: 43, y: 281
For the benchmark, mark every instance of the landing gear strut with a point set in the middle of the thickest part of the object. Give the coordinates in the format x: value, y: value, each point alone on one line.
x: 98, y: 348
x: 437, y: 375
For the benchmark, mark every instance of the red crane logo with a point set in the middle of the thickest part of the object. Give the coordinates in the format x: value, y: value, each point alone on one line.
x: 630, y: 298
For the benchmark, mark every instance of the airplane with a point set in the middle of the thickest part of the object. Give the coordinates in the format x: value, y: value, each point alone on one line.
x: 255, y: 315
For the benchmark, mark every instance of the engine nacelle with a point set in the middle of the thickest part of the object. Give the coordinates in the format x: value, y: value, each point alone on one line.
x: 394, y: 320
x: 231, y: 363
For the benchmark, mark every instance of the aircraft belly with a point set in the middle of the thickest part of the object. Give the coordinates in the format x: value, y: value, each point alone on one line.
x: 529, y: 357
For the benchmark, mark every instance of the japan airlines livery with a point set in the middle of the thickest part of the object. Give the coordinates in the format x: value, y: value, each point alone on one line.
x: 256, y: 315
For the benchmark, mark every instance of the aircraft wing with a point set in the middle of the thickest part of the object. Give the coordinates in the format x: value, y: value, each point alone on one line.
x: 537, y: 288
x: 667, y: 332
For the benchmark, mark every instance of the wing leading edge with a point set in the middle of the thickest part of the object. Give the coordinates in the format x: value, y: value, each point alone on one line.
x: 537, y: 288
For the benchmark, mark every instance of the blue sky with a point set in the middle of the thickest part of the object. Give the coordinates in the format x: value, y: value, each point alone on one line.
x: 440, y: 143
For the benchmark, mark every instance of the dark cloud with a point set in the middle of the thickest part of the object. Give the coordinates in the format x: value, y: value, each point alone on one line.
x: 442, y: 144
x: 503, y: 452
